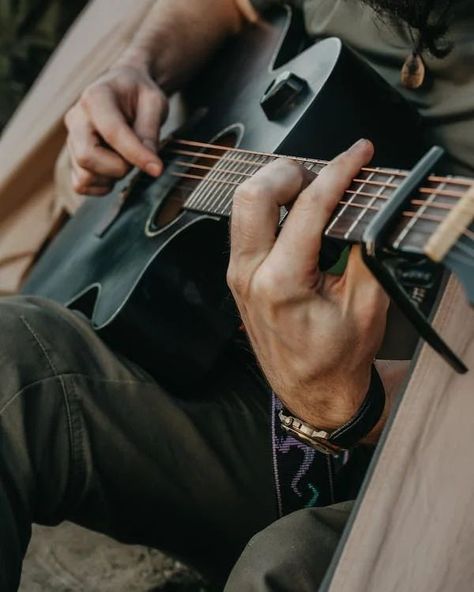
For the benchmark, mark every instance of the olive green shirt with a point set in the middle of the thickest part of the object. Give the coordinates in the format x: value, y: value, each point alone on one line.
x: 446, y: 100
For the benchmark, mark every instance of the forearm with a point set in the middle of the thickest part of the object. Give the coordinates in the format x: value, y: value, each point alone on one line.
x: 179, y: 35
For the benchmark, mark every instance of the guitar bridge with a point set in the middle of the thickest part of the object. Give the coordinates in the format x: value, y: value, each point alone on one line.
x: 411, y: 287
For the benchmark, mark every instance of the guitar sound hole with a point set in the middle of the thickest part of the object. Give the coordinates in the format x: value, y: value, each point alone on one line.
x: 193, y: 169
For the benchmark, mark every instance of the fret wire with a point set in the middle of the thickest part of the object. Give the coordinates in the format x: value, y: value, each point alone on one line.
x: 214, y: 204
x: 423, y: 190
x: 258, y: 164
x: 344, y: 209
x: 217, y: 204
x: 203, y: 188
x: 458, y: 181
x: 469, y: 234
x: 364, y: 211
x: 420, y: 211
x: 214, y: 174
x: 206, y: 188
x: 228, y: 196
x: 211, y: 192
x: 196, y: 194
x: 372, y: 201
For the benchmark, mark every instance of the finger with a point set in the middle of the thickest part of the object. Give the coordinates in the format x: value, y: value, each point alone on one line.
x: 152, y: 110
x: 97, y: 191
x: 299, y: 243
x: 84, y: 147
x: 256, y: 213
x: 83, y: 181
x: 361, y: 287
x: 87, y: 177
x: 110, y: 123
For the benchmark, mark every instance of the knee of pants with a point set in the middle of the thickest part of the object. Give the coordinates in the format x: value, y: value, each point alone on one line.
x: 39, y: 340
x: 35, y: 416
x: 291, y: 554
x: 29, y: 328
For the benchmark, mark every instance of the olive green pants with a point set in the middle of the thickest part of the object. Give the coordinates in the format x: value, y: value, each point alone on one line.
x: 87, y: 436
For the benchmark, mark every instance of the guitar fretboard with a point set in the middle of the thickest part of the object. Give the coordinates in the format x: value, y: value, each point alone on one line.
x: 221, y: 170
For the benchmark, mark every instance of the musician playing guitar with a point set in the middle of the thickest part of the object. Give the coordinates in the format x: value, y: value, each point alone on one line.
x: 90, y: 437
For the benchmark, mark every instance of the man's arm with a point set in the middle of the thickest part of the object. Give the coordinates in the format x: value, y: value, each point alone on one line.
x: 115, y: 124
x: 315, y: 335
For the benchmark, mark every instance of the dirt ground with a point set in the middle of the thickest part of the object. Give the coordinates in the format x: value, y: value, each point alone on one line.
x: 71, y: 559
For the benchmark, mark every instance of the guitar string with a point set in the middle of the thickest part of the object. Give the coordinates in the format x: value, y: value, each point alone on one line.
x: 379, y: 171
x: 226, y: 199
x: 468, y: 234
x: 352, y: 202
x: 386, y: 172
x: 436, y: 205
x: 203, y: 191
x: 459, y: 246
x: 206, y: 179
x: 409, y: 227
x: 455, y: 181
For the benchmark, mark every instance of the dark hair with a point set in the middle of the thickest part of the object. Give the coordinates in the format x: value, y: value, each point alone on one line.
x: 430, y: 19
x: 433, y: 28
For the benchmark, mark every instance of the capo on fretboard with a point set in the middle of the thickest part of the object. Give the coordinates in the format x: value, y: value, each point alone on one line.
x: 377, y: 255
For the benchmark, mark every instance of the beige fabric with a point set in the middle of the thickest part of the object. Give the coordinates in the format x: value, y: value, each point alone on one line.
x: 31, y: 143
x: 414, y: 531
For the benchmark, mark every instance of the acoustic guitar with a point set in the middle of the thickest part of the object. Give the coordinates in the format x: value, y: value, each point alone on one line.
x: 147, y: 263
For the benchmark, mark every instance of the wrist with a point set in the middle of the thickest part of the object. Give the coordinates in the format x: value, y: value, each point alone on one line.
x: 356, y: 430
x: 339, y: 404
x: 137, y: 59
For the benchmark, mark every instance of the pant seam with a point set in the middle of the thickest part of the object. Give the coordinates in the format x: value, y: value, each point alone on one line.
x: 76, y: 453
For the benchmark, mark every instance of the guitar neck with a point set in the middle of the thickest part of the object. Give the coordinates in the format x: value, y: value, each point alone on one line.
x: 221, y: 170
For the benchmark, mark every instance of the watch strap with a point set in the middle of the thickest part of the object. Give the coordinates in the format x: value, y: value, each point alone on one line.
x: 348, y: 435
x: 366, y: 418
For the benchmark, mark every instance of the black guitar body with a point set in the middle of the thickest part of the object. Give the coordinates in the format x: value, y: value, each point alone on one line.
x: 152, y: 278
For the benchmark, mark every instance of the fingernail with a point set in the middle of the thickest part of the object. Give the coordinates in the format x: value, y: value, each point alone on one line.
x: 359, y: 145
x: 153, y: 169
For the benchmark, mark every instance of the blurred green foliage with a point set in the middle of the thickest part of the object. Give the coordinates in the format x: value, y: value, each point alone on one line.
x: 29, y: 32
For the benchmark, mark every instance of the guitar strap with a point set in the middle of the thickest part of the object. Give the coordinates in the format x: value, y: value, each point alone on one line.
x: 306, y: 478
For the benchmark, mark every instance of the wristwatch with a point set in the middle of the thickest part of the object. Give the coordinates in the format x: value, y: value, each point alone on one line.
x: 348, y: 435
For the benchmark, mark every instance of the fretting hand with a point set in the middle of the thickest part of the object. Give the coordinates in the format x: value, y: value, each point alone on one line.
x: 315, y: 335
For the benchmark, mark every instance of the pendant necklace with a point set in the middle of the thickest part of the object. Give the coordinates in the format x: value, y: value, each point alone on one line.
x: 413, y: 72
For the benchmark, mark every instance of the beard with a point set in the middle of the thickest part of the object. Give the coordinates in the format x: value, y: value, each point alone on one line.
x: 429, y: 17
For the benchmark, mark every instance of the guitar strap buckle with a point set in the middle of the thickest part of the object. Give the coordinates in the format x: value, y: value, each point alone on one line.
x: 385, y: 267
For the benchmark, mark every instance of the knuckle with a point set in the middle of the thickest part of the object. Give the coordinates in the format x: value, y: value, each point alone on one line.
x: 84, y: 158
x: 267, y: 286
x: 235, y: 280
x: 249, y: 192
x: 68, y: 118
x: 292, y: 165
x: 85, y: 178
x: 122, y: 169
x: 76, y: 185
x: 90, y: 96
